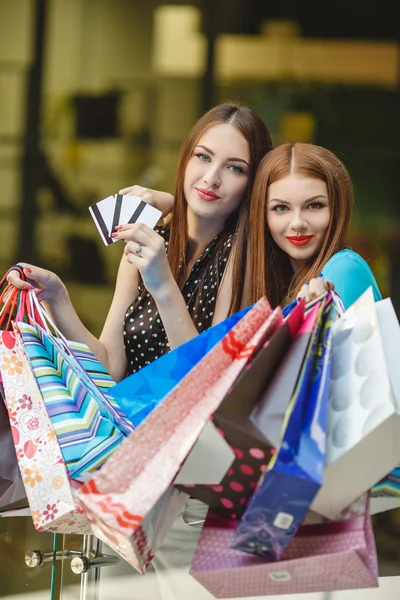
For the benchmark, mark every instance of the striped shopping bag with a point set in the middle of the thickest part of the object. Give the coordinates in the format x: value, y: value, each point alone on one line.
x: 88, y: 424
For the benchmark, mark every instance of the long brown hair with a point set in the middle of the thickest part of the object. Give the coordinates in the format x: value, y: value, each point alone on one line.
x: 254, y: 130
x: 270, y: 271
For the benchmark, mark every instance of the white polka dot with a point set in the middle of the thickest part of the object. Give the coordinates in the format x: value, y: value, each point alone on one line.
x: 139, y: 345
x: 149, y: 311
x: 141, y: 324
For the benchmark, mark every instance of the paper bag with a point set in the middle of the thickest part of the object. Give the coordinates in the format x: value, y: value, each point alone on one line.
x: 363, y: 441
x: 146, y: 463
x: 295, y: 474
x: 321, y: 558
x: 38, y: 453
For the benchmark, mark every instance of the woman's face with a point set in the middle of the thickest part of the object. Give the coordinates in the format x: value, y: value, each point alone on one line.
x: 217, y: 173
x: 298, y: 215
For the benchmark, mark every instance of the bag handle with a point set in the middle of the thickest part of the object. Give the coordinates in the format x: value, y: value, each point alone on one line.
x: 39, y: 314
x: 9, y: 304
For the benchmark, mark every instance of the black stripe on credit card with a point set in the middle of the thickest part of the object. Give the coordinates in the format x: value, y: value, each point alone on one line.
x: 101, y: 224
x: 137, y: 212
x: 117, y: 212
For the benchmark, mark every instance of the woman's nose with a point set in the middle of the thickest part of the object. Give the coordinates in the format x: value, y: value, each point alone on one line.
x: 298, y: 222
x: 212, y: 177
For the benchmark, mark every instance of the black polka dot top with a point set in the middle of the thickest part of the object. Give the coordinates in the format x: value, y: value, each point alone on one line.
x: 144, y: 335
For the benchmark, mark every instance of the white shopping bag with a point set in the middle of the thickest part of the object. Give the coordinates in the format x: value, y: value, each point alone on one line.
x: 363, y: 441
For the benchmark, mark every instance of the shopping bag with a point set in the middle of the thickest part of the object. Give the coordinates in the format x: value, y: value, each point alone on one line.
x: 146, y: 463
x: 12, y: 490
x: 87, y: 427
x: 322, y: 557
x: 139, y: 393
x: 363, y: 437
x: 81, y: 360
x: 230, y: 495
x: 295, y: 474
x: 46, y: 481
x: 385, y: 495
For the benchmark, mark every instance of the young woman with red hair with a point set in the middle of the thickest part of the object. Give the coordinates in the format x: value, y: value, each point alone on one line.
x: 300, y: 213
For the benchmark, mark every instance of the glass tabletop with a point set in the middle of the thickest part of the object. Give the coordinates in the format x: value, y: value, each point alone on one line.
x: 167, y: 578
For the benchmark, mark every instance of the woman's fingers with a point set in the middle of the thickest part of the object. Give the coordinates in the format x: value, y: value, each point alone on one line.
x: 137, y: 232
x: 14, y: 277
x: 133, y: 190
x: 304, y: 293
x: 314, y: 289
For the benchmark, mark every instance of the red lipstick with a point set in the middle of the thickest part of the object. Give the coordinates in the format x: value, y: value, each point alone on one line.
x: 207, y: 195
x: 300, y: 240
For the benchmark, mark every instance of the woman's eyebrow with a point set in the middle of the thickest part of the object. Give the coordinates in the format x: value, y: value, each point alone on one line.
x: 213, y: 154
x: 308, y: 199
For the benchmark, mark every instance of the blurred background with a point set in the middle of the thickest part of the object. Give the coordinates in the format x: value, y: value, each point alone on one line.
x: 96, y: 95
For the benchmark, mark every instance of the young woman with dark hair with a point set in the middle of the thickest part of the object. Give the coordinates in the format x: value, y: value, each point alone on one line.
x: 178, y: 280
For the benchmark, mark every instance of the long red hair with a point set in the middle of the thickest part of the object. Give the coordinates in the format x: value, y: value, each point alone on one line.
x: 270, y: 272
x: 254, y: 130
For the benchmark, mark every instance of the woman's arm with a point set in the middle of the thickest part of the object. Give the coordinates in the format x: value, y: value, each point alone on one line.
x: 351, y: 276
x: 157, y: 277
x: 109, y: 349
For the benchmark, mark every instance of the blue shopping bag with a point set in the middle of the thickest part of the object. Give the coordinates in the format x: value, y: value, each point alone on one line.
x: 295, y: 475
x: 138, y: 394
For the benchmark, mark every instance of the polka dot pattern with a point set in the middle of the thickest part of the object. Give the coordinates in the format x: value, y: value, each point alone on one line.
x: 144, y: 334
x: 231, y: 496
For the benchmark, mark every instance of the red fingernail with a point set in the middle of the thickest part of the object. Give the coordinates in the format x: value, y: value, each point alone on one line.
x: 114, y: 235
x: 28, y: 270
x: 29, y: 286
x: 118, y: 227
x: 39, y: 292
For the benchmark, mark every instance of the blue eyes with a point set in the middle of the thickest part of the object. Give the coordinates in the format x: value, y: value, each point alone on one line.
x: 206, y: 158
x: 236, y: 169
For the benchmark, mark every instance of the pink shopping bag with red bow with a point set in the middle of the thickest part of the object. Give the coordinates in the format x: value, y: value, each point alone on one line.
x: 139, y: 474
